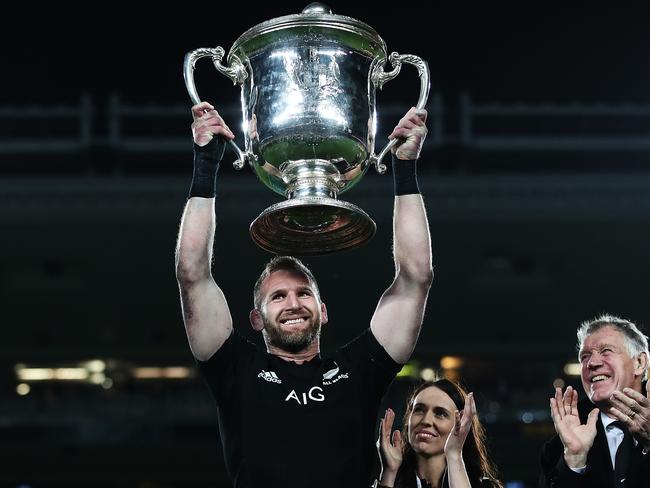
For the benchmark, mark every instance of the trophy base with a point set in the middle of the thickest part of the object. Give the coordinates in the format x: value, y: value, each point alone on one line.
x: 312, y: 226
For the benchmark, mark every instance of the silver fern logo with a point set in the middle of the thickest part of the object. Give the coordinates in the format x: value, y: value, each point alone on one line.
x: 331, y: 373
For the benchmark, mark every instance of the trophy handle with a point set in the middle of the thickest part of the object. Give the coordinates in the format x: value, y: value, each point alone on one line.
x: 379, y: 77
x: 236, y: 72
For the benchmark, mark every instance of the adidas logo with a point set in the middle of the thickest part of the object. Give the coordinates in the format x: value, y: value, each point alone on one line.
x: 269, y: 376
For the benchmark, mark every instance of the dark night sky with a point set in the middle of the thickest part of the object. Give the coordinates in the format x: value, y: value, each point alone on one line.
x: 495, y: 51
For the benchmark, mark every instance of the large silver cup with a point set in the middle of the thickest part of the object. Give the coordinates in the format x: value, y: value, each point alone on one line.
x: 308, y: 102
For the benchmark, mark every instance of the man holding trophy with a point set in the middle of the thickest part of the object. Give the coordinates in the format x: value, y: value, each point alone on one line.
x: 287, y: 416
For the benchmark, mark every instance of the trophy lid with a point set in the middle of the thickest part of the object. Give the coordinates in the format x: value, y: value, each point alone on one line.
x: 315, y: 18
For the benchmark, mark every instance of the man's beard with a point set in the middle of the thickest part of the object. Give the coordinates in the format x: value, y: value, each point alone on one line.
x: 291, y: 341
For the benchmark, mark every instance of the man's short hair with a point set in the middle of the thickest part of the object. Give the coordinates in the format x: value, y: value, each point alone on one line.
x: 282, y: 263
x: 636, y: 341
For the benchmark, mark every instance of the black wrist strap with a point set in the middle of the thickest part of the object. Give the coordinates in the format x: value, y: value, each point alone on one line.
x: 206, y: 165
x: 405, y: 178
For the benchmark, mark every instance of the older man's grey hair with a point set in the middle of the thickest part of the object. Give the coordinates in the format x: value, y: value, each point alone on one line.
x: 636, y: 341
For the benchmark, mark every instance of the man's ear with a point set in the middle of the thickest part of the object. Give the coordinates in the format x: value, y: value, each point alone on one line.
x: 323, y: 314
x: 256, y: 320
x: 641, y: 365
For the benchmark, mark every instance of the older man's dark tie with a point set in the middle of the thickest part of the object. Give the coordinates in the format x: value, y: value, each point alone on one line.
x: 624, y: 455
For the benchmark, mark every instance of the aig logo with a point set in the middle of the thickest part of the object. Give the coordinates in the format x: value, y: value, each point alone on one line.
x: 315, y: 394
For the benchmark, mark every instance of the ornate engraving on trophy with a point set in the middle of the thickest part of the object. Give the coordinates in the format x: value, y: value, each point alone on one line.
x: 308, y: 86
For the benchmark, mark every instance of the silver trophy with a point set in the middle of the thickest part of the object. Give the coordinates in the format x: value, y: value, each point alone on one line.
x: 308, y: 102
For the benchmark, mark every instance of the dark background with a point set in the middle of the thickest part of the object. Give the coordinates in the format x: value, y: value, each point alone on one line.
x: 538, y: 216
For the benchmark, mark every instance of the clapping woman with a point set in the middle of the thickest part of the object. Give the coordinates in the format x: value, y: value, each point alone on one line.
x: 442, y: 444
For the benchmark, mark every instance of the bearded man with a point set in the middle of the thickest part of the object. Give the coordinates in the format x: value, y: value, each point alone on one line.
x: 287, y: 416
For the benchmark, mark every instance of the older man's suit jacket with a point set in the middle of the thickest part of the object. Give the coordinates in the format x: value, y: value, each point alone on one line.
x: 599, y: 473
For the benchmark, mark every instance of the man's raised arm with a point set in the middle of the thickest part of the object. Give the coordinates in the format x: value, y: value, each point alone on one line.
x: 205, y: 311
x: 397, y: 320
